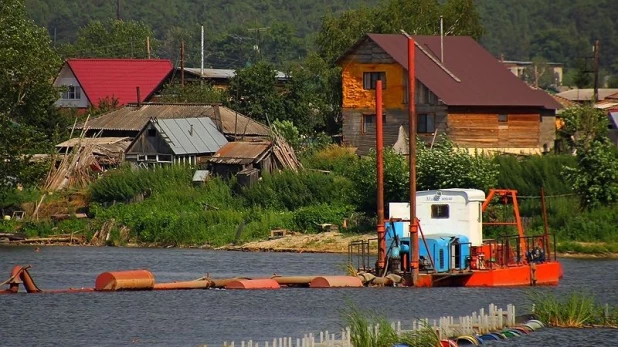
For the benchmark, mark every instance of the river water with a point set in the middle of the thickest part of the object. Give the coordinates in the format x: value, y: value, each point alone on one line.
x: 198, y: 317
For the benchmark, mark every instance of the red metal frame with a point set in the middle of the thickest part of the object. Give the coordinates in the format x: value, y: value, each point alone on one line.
x: 505, y: 194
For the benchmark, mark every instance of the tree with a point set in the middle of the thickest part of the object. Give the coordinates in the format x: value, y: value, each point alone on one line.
x: 416, y: 17
x: 28, y: 120
x: 253, y: 92
x: 192, y: 93
x: 595, y: 178
x: 112, y: 39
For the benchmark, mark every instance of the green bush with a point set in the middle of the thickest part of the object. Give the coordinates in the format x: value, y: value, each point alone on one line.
x: 334, y: 158
x: 592, y: 226
x: 289, y: 190
x: 125, y: 183
x: 310, y: 218
x: 529, y: 174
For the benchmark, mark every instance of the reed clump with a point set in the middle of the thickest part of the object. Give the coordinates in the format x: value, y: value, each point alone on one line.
x: 575, y: 310
x: 370, y: 330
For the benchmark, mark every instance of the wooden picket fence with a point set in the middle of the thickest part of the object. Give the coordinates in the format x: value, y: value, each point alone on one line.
x: 481, y: 322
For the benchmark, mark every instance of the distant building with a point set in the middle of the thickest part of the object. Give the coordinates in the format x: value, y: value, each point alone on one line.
x: 469, y: 96
x: 131, y: 119
x: 525, y: 70
x: 219, y: 78
x: 586, y: 95
x: 88, y: 82
x: 175, y: 141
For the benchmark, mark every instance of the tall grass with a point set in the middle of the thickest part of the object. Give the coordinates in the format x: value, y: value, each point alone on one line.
x: 575, y: 310
x: 369, y: 330
x: 289, y: 190
x: 125, y: 183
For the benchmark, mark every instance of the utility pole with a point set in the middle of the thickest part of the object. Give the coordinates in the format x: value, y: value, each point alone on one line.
x: 148, y: 46
x: 257, y: 32
x: 595, y: 97
x: 117, y: 9
x: 182, y: 63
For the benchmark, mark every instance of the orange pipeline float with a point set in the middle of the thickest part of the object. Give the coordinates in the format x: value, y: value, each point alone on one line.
x: 144, y: 280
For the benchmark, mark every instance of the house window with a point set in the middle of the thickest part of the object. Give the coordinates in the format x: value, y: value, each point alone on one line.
x: 141, y: 158
x: 72, y: 93
x: 439, y: 211
x: 368, y: 120
x: 152, y: 132
x: 164, y: 158
x: 425, y: 123
x: 424, y: 95
x: 503, y: 118
x: 370, y: 79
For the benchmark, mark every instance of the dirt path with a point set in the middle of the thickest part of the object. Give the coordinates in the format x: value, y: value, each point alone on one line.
x: 326, y: 242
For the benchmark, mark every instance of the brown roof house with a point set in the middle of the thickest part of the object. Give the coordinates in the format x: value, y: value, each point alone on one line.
x: 130, y: 120
x: 463, y: 92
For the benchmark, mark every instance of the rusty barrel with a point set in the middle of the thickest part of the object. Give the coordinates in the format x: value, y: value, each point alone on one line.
x: 336, y: 282
x: 125, y: 280
x: 266, y: 283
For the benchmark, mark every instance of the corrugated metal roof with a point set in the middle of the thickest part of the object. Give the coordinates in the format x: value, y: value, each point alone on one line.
x: 118, y: 78
x: 480, y: 79
x: 240, y: 152
x: 190, y: 135
x: 222, y: 73
x: 93, y: 141
x: 586, y: 94
x: 133, y: 118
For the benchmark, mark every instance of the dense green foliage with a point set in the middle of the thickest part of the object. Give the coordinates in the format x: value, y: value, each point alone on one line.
x: 595, y: 177
x: 113, y: 38
x: 558, y: 31
x: 28, y: 120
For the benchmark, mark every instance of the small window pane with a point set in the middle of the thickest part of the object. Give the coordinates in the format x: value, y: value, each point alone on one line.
x: 503, y: 118
x: 439, y: 211
x: 370, y: 79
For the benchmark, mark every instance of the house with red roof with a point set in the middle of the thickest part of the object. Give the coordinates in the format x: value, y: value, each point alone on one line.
x: 87, y: 82
x: 461, y: 91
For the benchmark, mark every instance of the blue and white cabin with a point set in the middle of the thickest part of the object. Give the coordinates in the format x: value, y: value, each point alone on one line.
x: 453, y: 211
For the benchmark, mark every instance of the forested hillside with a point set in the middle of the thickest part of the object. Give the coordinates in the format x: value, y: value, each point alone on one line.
x: 556, y: 30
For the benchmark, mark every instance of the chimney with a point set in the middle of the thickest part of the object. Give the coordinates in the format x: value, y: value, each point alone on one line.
x: 139, y: 98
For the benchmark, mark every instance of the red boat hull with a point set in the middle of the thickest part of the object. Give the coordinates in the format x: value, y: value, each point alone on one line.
x: 548, y: 273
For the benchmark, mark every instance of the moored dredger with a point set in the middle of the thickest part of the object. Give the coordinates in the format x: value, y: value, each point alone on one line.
x: 436, y: 239
x: 451, y: 247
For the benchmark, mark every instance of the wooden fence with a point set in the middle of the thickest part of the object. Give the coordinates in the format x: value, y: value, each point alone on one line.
x: 481, y: 322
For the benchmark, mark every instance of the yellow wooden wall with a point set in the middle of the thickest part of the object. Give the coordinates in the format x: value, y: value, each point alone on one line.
x: 354, y: 96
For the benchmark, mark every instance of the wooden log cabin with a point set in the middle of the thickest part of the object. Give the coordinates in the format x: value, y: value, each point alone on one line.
x: 463, y: 92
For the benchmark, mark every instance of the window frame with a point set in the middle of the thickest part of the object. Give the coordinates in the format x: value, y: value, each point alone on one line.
x: 364, y: 123
x: 370, y: 79
x: 425, y: 129
x: 437, y: 211
x: 72, y: 93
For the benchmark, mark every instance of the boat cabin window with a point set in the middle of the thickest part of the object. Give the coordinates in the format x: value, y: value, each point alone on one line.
x: 439, y: 211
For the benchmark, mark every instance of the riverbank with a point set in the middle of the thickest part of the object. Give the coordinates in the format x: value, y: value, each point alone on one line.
x: 328, y: 242
x: 336, y: 242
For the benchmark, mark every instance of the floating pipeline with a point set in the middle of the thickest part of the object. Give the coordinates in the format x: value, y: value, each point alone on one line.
x: 506, y: 333
x: 144, y: 280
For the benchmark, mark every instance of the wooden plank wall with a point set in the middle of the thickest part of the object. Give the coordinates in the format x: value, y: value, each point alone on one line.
x: 352, y: 127
x: 484, y: 130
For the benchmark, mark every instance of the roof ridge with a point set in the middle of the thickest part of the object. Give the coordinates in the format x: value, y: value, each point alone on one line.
x: 120, y: 59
